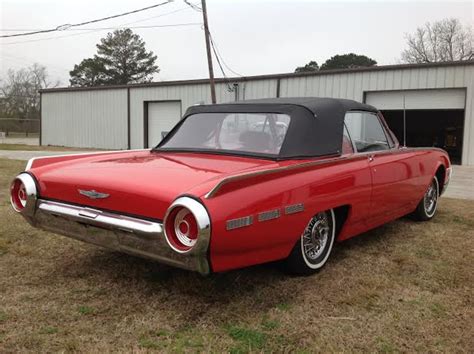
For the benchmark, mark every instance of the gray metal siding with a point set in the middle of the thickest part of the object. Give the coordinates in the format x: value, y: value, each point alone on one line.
x: 85, y: 119
x: 354, y: 85
x: 188, y: 95
x: 80, y: 118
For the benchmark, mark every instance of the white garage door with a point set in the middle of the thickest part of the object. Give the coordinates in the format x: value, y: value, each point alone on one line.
x: 162, y: 117
x: 417, y: 99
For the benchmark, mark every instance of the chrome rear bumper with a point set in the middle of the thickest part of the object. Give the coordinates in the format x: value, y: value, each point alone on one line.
x: 118, y: 232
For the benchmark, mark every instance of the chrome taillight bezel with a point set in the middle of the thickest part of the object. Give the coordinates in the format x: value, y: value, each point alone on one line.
x: 31, y: 194
x: 203, y: 223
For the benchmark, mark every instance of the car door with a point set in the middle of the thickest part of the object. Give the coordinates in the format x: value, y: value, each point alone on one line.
x: 391, y: 172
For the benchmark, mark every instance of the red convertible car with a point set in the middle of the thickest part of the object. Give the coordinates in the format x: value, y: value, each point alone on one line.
x: 238, y: 184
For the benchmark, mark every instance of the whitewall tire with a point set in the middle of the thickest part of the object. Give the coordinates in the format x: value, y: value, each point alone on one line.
x: 428, y: 205
x: 314, y: 247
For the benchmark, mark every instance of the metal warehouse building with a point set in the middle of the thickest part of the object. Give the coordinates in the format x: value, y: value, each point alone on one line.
x: 437, y: 98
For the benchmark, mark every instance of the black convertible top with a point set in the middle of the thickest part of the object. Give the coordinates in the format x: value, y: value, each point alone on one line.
x: 314, y: 104
x: 316, y: 124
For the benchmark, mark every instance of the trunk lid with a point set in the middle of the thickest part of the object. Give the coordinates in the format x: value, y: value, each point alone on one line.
x: 137, y: 183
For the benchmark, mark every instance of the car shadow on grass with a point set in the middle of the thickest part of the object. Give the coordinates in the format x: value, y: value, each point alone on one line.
x: 120, y: 278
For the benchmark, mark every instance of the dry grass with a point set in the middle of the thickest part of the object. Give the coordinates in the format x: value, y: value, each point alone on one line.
x: 404, y: 287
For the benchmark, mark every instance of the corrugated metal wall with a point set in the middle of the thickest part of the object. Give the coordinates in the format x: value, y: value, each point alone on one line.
x: 78, y: 118
x: 85, y: 119
x: 189, y: 95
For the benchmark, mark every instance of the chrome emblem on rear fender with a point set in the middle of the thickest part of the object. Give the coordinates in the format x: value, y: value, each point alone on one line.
x: 237, y: 223
x: 93, y: 194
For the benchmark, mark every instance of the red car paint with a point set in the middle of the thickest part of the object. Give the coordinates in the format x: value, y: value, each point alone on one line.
x: 374, y: 188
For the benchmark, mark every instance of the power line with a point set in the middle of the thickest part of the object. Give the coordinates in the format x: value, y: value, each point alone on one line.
x: 79, y: 29
x: 67, y: 26
x: 149, y: 26
x: 93, y: 31
x: 226, y: 79
x: 133, y: 27
x: 105, y: 28
x: 222, y: 59
x: 193, y: 6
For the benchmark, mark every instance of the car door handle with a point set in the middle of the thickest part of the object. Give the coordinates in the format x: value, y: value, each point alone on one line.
x: 371, y: 158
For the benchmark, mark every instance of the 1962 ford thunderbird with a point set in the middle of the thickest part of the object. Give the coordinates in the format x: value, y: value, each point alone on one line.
x: 233, y: 185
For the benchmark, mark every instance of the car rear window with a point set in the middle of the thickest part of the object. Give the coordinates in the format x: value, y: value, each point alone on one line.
x: 261, y: 133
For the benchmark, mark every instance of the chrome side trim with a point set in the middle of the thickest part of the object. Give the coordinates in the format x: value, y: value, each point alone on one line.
x: 269, y: 215
x: 143, y: 238
x: 355, y: 156
x: 293, y: 209
x: 238, y: 223
x: 240, y: 177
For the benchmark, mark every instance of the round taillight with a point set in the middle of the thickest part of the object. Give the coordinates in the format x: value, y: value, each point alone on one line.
x: 23, y: 194
x: 18, y: 195
x: 181, y: 229
x: 187, y: 226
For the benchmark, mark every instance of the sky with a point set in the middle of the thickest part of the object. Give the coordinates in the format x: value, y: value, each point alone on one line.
x: 254, y: 37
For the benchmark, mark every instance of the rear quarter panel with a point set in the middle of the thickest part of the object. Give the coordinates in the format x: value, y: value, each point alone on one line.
x: 347, y: 182
x: 318, y: 188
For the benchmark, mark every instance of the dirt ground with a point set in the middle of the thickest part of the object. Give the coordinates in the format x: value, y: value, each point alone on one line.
x: 403, y: 287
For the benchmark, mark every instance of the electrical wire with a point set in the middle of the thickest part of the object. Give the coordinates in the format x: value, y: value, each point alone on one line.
x: 193, y: 6
x: 122, y: 25
x: 149, y: 26
x: 219, y: 59
x: 216, y: 49
x: 67, y: 26
x: 102, y: 29
x: 226, y: 79
x: 93, y: 31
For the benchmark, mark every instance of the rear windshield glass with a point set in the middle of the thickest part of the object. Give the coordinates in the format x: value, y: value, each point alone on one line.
x: 261, y: 133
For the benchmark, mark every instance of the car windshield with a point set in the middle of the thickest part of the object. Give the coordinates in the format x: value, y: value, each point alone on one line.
x: 261, y: 133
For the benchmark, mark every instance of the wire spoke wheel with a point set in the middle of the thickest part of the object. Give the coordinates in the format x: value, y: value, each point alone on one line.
x: 317, y: 241
x: 430, y: 198
x: 316, y: 236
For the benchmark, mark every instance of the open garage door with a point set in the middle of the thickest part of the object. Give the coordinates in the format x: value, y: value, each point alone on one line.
x: 160, y: 118
x: 433, y: 117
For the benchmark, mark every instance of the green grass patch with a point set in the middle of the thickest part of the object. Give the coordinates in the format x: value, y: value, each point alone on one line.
x: 85, y: 310
x: 283, y: 307
x: 248, y: 339
x: 385, y: 346
x: 438, y: 310
x: 270, y: 324
x: 49, y: 330
x: 3, y: 247
x: 148, y: 343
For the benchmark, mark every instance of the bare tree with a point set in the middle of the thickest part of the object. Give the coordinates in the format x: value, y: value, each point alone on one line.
x: 445, y: 40
x: 20, y: 92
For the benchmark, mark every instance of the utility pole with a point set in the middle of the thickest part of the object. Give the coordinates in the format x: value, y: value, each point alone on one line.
x: 209, y: 56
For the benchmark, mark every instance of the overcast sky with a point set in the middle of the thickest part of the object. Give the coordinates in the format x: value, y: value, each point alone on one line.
x: 254, y: 37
